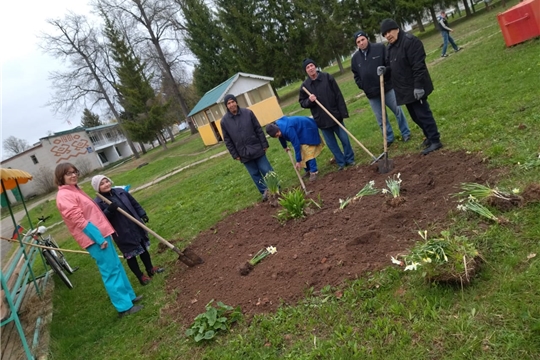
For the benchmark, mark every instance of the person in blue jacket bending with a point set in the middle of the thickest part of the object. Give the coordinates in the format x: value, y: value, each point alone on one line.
x: 302, y: 132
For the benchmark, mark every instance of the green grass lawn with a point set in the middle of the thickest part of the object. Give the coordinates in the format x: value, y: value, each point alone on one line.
x: 482, y: 96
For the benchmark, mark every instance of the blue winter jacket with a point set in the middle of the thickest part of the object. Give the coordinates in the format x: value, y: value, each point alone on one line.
x: 298, y: 130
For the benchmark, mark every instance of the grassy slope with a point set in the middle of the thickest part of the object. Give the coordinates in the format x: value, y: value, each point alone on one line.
x: 482, y: 95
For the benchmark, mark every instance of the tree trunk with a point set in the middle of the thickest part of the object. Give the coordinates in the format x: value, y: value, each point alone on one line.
x: 418, y: 18
x: 340, y: 64
x: 467, y: 9
x: 433, y: 16
x: 143, y: 149
x: 472, y: 7
x: 169, y: 130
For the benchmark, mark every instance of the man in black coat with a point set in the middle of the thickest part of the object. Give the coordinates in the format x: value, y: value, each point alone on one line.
x: 246, y: 142
x: 406, y: 59
x: 364, y: 66
x: 323, y: 87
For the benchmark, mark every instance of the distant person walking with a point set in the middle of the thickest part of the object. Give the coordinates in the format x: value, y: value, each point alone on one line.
x: 445, y: 32
x: 91, y: 229
x: 246, y: 142
x: 406, y: 59
x: 364, y: 66
x: 303, y: 134
x: 324, y: 88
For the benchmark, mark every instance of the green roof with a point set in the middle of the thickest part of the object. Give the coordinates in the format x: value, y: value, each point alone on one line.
x: 217, y: 94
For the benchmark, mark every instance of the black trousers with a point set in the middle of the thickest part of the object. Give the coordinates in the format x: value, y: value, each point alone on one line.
x: 421, y: 114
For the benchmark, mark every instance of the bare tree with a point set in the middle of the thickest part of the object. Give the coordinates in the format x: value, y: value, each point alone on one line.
x: 77, y: 42
x: 43, y: 179
x: 14, y: 145
x: 158, y: 19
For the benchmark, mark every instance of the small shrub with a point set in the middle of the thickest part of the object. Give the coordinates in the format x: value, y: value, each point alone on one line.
x: 207, y: 324
x: 293, y: 203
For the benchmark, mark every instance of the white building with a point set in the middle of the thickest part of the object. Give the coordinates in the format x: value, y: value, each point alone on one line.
x: 88, y: 149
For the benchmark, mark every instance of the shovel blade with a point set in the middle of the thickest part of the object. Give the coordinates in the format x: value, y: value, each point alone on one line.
x: 385, y: 165
x: 188, y: 257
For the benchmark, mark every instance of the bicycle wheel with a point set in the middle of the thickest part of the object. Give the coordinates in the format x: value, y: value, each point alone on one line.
x: 54, y: 264
x: 59, y: 255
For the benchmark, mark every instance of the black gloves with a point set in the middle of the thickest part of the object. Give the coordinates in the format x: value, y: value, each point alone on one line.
x: 112, y: 207
x: 145, y: 218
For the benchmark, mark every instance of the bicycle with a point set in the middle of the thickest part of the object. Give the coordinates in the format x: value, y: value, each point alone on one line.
x: 54, y: 258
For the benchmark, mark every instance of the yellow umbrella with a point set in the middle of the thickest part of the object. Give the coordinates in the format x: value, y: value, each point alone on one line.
x: 12, y: 177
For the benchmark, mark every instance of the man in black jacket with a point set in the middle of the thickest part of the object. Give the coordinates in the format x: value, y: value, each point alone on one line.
x: 364, y: 66
x: 323, y: 87
x: 406, y: 58
x: 246, y: 142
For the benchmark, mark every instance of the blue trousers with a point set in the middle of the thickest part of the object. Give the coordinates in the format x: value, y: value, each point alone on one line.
x: 113, y: 275
x: 446, y: 39
x: 391, y: 103
x: 311, y: 166
x: 342, y: 158
x: 423, y: 117
x: 257, y: 169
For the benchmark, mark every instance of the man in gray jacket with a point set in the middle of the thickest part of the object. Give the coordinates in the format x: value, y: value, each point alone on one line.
x: 246, y: 142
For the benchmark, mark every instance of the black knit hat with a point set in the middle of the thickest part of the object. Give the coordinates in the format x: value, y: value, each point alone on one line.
x: 306, y: 62
x: 229, y: 97
x: 360, y: 33
x: 387, y: 25
x: 272, y: 129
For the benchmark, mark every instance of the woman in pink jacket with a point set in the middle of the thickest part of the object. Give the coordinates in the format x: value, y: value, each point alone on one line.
x: 91, y: 229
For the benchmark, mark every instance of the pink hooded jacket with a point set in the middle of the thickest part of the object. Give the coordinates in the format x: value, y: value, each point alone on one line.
x: 77, y: 209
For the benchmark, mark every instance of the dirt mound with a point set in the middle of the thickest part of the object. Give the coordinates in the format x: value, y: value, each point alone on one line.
x: 325, y: 248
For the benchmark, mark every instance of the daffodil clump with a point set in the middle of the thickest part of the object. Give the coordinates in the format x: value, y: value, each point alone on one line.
x: 394, y: 185
x: 262, y: 254
x: 368, y: 189
x: 294, y: 203
x: 473, y: 205
x: 344, y: 203
x: 272, y: 182
x: 442, y: 257
x: 481, y: 192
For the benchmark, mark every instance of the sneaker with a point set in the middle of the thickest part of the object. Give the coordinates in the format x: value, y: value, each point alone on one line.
x: 432, y: 147
x: 340, y: 168
x: 457, y: 49
x: 350, y: 164
x: 406, y: 138
x: 313, y: 176
x: 155, y: 270
x: 144, y: 280
x: 137, y: 299
x: 265, y: 195
x: 444, y: 55
x: 132, y: 310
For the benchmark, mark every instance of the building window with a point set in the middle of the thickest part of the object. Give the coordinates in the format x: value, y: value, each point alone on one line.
x: 103, y: 157
x: 108, y: 136
x: 34, y: 159
x: 118, y: 151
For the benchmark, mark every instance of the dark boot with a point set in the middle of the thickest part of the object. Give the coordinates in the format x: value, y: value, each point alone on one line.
x: 133, y: 310
x: 432, y: 147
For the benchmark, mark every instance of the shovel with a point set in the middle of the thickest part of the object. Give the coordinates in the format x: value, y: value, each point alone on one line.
x: 375, y: 159
x: 386, y: 164
x: 297, y: 173
x: 187, y: 256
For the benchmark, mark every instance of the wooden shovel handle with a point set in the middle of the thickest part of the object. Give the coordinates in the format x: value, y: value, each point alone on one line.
x: 297, y: 173
x: 383, y: 111
x: 341, y: 125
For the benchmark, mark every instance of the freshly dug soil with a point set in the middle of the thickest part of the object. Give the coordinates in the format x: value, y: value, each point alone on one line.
x: 328, y: 246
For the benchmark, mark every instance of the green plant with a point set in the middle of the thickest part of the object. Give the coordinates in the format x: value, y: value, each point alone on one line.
x: 261, y: 254
x: 393, y: 184
x: 473, y: 205
x: 368, y: 189
x: 216, y: 318
x: 293, y: 203
x: 446, y: 257
x: 481, y: 192
x: 272, y: 182
x: 344, y: 203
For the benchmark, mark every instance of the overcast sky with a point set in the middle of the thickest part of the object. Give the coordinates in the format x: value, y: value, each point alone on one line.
x: 25, y: 69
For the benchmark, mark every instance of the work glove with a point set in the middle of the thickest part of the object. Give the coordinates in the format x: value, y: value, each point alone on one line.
x: 93, y: 233
x: 381, y: 70
x: 145, y: 218
x: 419, y: 93
x: 112, y: 207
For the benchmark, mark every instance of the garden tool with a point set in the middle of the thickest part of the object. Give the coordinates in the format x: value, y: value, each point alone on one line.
x: 297, y: 173
x: 375, y: 159
x: 187, y: 256
x: 386, y: 164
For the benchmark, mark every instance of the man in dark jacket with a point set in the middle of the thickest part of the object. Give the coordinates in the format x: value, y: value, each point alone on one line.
x: 246, y: 141
x: 364, y: 66
x: 406, y: 59
x: 323, y: 87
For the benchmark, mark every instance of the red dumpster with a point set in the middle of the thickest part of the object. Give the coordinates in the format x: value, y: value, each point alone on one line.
x: 520, y: 22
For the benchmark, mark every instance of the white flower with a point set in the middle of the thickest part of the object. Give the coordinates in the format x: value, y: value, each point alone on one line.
x: 471, y: 197
x: 372, y: 183
x: 398, y: 175
x: 462, y: 207
x: 384, y: 191
x: 395, y: 261
x: 271, y: 250
x: 515, y: 190
x: 412, y: 266
x: 426, y: 260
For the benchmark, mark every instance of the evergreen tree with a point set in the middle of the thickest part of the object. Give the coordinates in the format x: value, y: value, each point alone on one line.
x: 89, y: 119
x: 143, y: 112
